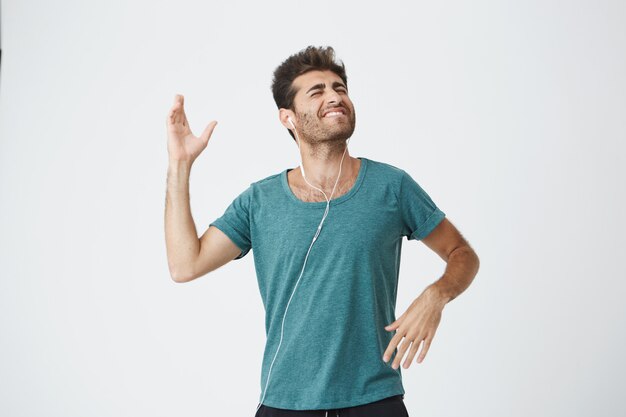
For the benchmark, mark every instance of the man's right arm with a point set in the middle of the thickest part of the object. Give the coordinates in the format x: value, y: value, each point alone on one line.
x: 189, y: 257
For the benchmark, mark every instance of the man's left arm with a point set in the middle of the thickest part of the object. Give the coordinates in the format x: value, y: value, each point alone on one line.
x: 462, y: 262
x: 421, y: 319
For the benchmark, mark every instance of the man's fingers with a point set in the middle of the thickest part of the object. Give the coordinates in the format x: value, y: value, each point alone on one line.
x: 179, y: 98
x: 401, y: 351
x: 177, y: 112
x: 414, y: 346
x: 208, y: 131
x: 389, y: 351
x: 424, y: 350
x: 392, y: 346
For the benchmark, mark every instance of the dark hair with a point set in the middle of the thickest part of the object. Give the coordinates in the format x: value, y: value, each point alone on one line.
x: 309, y: 59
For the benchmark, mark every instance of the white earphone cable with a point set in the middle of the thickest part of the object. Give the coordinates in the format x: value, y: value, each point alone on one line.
x: 317, y: 232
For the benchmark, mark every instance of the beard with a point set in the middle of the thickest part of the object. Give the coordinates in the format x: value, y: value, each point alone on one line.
x: 314, y: 130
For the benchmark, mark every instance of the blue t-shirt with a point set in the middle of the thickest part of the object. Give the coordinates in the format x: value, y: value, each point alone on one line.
x: 333, y: 337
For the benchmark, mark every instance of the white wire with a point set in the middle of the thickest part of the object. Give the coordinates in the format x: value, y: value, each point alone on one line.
x: 317, y: 232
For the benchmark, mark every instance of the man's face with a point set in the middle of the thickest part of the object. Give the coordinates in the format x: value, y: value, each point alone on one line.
x: 323, y: 109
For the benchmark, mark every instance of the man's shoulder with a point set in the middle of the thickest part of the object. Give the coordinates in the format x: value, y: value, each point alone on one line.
x: 266, y: 186
x: 384, y: 169
x: 270, y: 179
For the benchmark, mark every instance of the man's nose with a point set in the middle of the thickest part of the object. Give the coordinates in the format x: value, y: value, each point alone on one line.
x: 334, y: 97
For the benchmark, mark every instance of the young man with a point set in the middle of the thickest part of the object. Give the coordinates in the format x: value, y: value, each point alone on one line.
x: 327, y: 238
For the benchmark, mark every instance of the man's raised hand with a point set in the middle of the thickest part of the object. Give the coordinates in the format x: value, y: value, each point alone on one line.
x: 182, y: 145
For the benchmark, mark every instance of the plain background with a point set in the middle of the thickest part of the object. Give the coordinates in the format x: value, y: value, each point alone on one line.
x: 511, y: 115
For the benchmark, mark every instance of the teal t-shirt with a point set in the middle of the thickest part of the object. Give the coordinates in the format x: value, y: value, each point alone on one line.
x: 333, y: 337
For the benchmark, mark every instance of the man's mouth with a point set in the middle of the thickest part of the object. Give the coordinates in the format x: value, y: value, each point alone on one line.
x: 335, y: 112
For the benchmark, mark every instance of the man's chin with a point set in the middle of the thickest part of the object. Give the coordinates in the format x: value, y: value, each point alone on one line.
x: 340, y: 135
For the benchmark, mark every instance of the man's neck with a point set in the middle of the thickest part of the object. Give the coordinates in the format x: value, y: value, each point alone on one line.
x: 321, y: 164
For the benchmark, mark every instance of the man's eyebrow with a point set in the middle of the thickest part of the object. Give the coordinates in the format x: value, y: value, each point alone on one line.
x: 316, y: 87
x: 322, y: 85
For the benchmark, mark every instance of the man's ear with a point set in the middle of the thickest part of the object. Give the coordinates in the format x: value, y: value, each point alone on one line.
x: 283, y: 115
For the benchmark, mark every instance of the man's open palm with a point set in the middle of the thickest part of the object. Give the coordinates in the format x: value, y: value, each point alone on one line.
x: 182, y: 145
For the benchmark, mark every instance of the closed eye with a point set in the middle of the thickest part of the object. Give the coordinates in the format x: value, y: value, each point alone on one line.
x: 340, y: 90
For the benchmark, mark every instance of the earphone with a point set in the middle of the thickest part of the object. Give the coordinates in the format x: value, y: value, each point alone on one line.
x: 317, y: 232
x: 298, y: 140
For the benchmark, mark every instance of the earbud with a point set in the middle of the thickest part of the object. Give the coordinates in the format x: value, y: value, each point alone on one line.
x: 297, y: 138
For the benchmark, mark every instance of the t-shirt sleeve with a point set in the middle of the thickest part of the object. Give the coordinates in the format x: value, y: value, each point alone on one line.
x: 235, y: 222
x: 419, y: 213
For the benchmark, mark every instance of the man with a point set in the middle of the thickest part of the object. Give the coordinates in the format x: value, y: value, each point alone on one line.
x: 327, y: 239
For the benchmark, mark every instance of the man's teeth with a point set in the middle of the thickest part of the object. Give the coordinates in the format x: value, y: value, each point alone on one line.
x: 333, y: 113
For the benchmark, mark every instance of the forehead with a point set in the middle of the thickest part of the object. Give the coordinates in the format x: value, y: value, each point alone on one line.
x: 309, y: 79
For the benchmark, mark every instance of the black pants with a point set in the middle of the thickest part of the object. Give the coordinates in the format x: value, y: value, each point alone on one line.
x: 387, y: 407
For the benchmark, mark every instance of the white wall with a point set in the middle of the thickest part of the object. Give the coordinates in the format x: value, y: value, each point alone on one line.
x: 512, y: 115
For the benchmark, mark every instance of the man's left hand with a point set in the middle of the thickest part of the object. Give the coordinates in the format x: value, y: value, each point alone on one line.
x: 419, y: 322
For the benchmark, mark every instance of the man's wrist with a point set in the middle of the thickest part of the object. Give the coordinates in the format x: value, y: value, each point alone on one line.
x: 179, y: 165
x: 436, y: 291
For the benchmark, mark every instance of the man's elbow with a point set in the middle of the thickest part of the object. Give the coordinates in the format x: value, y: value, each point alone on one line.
x: 181, y: 276
x: 469, y: 253
x: 476, y: 260
x: 179, y: 279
